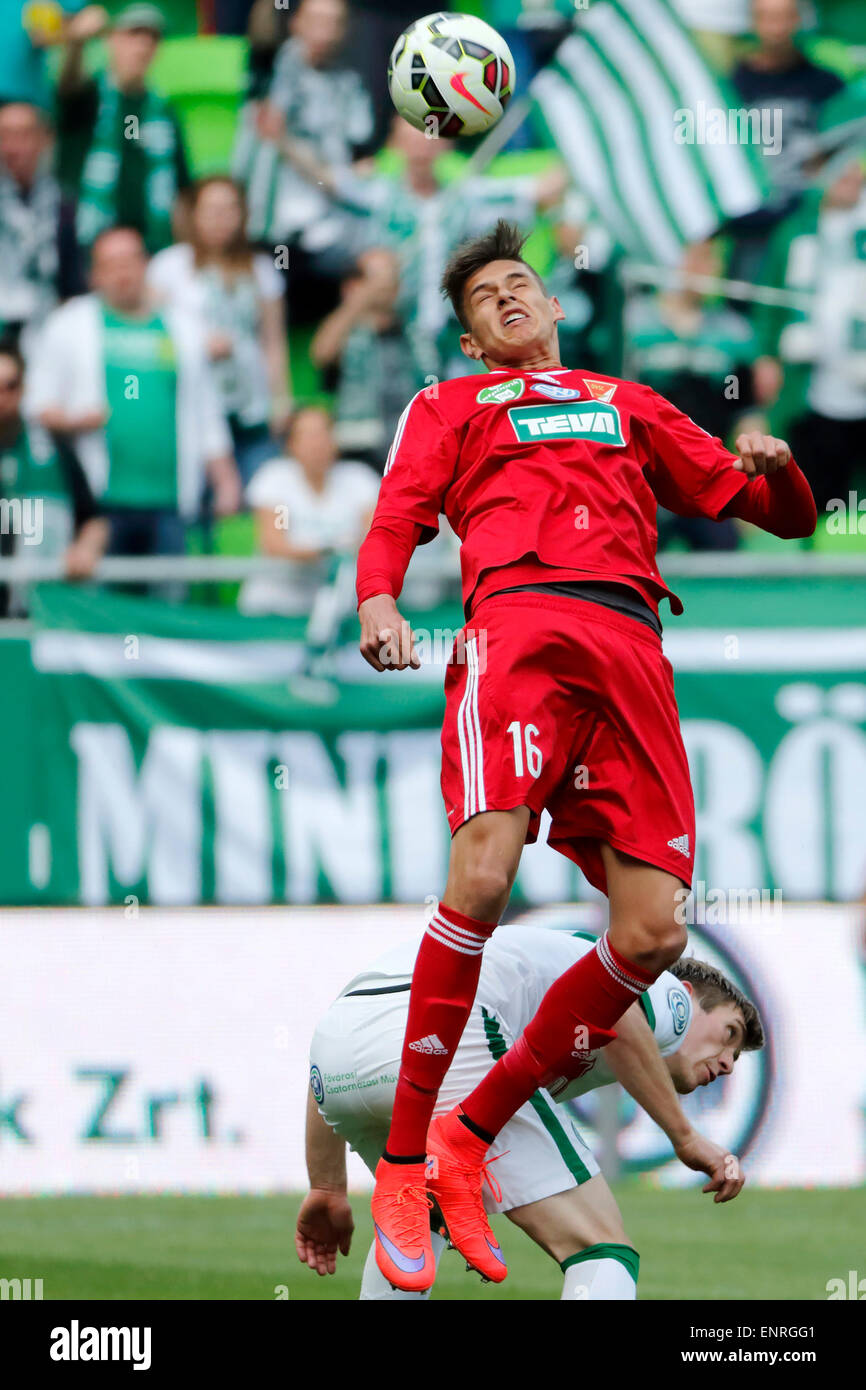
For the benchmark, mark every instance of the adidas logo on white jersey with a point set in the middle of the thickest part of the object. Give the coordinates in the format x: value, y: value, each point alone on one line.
x: 431, y: 1046
x: 680, y: 843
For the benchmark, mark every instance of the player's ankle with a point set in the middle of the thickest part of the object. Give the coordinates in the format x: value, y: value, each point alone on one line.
x: 477, y: 1131
x: 403, y: 1159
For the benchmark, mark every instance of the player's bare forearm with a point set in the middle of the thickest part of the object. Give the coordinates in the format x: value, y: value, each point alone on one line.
x: 325, y: 1152
x: 325, y: 1223
x: 638, y: 1066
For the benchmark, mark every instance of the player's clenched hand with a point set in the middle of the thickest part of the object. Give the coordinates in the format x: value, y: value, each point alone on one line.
x: 724, y: 1168
x: 761, y: 453
x: 386, y: 637
x: 325, y: 1226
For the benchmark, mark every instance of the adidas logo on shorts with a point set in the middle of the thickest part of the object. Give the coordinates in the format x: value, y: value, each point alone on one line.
x: 431, y: 1046
x: 680, y: 843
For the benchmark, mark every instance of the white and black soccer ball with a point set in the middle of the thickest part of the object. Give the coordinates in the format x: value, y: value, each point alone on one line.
x: 451, y: 74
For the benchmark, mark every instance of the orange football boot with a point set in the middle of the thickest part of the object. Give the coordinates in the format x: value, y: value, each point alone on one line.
x: 456, y: 1173
x: 401, y: 1221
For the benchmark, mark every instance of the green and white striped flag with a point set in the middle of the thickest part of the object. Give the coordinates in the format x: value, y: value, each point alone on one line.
x: 614, y: 98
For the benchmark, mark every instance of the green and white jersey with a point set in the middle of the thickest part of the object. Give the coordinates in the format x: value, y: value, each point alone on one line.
x: 378, y: 375
x: 715, y: 345
x: 141, y: 392
x: 838, y: 384
x: 820, y: 253
x: 519, y: 965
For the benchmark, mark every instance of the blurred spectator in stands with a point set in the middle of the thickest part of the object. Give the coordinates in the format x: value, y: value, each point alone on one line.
x: 267, y: 31
x: 47, y: 505
x: 697, y: 351
x: 777, y: 76
x: 122, y: 149
x: 364, y: 352
x: 817, y: 355
x: 693, y: 348
x: 130, y: 387
x: 38, y: 255
x: 533, y: 30
x: 27, y: 30
x: 589, y: 293
x: 238, y: 294
x: 322, y: 108
x: 716, y: 27
x: 232, y: 16
x: 422, y: 218
x: 310, y: 509
x: 374, y: 28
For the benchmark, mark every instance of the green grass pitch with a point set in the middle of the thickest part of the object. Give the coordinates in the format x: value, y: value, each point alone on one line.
x: 778, y: 1244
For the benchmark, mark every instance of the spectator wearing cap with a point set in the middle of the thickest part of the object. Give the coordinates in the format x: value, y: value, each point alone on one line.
x: 128, y: 385
x: 38, y: 260
x: 122, y: 148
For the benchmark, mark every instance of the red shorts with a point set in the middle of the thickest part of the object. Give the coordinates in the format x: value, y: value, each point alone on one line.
x: 559, y: 703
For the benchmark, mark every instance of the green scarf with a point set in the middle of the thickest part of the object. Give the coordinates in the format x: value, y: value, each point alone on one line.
x: 97, y: 199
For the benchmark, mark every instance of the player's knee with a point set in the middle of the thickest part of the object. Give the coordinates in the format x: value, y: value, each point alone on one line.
x: 487, y: 887
x: 481, y: 875
x: 653, y: 943
x: 595, y: 1229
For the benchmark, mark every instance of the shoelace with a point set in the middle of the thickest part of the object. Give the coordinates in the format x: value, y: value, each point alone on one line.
x: 474, y: 1197
x: 405, y: 1220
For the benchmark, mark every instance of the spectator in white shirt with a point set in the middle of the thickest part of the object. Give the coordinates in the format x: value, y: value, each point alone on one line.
x: 128, y: 386
x: 310, y: 509
x: 238, y: 295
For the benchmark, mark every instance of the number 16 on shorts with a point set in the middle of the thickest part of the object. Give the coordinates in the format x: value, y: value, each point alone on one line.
x: 527, y: 755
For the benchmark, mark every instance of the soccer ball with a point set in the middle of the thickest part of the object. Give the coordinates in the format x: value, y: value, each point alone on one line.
x: 451, y: 74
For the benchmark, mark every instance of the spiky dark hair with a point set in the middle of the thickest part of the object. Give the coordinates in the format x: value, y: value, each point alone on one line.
x: 713, y: 988
x: 504, y: 243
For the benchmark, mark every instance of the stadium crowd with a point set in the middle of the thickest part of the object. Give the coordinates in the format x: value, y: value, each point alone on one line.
x: 149, y: 294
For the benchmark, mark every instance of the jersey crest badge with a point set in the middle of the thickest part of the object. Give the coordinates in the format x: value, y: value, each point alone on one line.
x: 502, y: 391
x: 555, y: 393
x: 599, y: 390
x: 680, y: 1009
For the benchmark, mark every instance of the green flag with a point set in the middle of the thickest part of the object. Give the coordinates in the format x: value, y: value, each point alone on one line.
x: 650, y: 134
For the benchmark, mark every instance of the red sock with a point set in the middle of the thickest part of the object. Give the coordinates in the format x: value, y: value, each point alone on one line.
x: 574, y: 1017
x: 443, y: 990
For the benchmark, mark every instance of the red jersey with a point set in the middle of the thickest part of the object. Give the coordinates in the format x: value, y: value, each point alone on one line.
x: 555, y: 467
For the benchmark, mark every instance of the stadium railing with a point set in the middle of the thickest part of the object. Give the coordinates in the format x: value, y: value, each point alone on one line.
x: 220, y: 569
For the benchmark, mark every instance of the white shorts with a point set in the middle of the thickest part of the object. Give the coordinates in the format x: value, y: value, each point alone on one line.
x: 355, y: 1058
